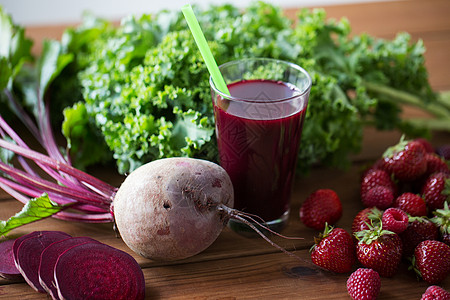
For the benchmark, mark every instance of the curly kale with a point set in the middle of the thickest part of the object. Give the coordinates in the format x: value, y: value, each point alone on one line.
x: 142, y: 88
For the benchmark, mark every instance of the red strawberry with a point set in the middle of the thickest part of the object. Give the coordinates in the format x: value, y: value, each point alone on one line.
x: 412, y: 204
x: 432, y: 261
x: 406, y: 160
x: 435, y: 292
x: 419, y: 229
x: 442, y: 220
x: 322, y: 206
x: 436, y: 190
x: 366, y: 217
x: 364, y: 284
x: 435, y: 163
x: 380, y: 250
x: 334, y: 250
x: 376, y: 177
x: 379, y: 196
x: 395, y: 220
x: 426, y: 145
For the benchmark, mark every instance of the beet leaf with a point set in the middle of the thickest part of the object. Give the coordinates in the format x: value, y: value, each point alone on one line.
x: 34, y: 210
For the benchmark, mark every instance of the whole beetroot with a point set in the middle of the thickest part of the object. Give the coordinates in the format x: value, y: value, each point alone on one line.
x: 172, y: 208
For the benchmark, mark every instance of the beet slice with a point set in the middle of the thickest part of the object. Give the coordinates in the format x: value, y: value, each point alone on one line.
x: 98, y: 271
x: 19, y: 240
x: 48, y: 261
x: 8, y: 267
x: 28, y: 255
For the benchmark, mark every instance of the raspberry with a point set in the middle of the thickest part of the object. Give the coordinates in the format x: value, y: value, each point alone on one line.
x: 395, y: 220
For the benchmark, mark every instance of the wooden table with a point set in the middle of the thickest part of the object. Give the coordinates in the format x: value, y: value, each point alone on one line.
x: 235, y: 267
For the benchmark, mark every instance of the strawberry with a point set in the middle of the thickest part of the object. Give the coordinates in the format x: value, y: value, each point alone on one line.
x: 436, y: 190
x: 380, y: 250
x: 366, y: 217
x: 379, y: 196
x: 442, y: 220
x: 406, y: 160
x: 432, y: 261
x: 322, y: 206
x: 395, y: 220
x: 419, y: 229
x: 412, y: 204
x: 376, y: 177
x: 334, y: 250
x: 435, y: 292
x: 364, y: 284
x: 426, y: 145
x: 435, y: 163
x: 444, y: 151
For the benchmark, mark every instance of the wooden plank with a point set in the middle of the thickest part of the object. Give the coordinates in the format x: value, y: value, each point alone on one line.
x: 437, y: 62
x: 272, y: 276
x: 269, y: 276
x: 386, y: 19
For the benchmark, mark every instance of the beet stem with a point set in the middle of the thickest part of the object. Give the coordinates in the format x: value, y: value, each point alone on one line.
x: 6, y: 129
x: 60, y: 166
x: 24, y: 117
x: 37, y: 182
x: 85, y: 218
x: 81, y: 191
x: 14, y: 193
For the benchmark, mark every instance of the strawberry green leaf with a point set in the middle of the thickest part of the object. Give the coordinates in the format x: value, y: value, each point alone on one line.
x: 370, y: 235
x: 34, y: 210
x: 442, y: 219
x: 391, y: 151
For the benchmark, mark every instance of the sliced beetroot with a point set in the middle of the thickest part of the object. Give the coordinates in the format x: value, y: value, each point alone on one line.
x: 8, y: 267
x: 98, y: 271
x: 19, y: 240
x: 48, y: 261
x: 28, y: 255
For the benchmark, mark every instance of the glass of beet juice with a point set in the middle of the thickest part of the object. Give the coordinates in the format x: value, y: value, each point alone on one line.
x: 258, y: 130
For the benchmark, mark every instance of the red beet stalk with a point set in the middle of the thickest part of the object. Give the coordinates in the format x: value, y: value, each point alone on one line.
x: 89, y: 198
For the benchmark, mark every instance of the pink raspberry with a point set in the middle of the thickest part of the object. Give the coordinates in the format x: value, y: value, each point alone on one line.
x: 395, y: 220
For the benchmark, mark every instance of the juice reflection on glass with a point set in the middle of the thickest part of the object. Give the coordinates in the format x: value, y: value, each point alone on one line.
x: 258, y: 130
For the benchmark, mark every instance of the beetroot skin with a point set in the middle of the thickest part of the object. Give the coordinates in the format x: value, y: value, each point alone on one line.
x: 28, y: 255
x: 48, y: 261
x: 169, y: 209
x: 8, y: 267
x: 98, y: 271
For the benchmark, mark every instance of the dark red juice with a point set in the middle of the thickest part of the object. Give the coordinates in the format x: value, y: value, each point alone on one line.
x: 258, y: 144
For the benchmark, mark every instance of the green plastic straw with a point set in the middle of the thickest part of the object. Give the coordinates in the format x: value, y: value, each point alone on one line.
x: 202, y: 45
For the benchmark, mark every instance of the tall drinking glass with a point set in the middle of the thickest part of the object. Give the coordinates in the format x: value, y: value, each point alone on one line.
x: 258, y: 130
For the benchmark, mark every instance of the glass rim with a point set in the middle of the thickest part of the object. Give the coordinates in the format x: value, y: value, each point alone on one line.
x: 273, y: 60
